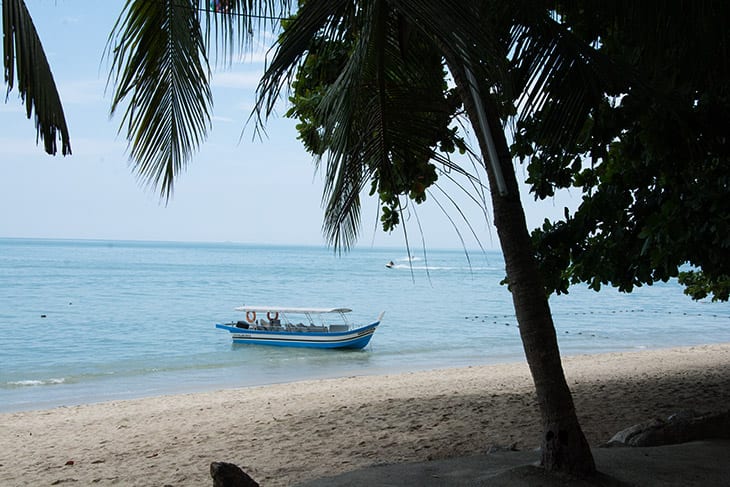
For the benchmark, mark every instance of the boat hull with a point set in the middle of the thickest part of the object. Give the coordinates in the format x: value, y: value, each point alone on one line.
x: 351, y: 339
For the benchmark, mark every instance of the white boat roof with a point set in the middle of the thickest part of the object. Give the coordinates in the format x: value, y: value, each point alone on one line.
x: 279, y: 309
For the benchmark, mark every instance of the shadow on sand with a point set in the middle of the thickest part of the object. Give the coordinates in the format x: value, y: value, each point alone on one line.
x: 699, y: 463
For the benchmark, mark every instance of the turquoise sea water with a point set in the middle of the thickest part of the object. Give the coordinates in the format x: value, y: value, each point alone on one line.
x: 88, y: 321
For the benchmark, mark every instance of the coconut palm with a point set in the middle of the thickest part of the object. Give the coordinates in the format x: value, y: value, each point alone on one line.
x: 361, y: 117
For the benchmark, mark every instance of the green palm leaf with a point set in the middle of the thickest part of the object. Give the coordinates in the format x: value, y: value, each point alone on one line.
x: 160, y: 68
x: 23, y: 53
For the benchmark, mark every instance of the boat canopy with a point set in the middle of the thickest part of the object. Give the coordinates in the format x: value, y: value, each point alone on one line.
x: 277, y: 309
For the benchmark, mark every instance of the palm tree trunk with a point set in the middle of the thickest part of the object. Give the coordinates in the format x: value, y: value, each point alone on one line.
x: 564, y: 447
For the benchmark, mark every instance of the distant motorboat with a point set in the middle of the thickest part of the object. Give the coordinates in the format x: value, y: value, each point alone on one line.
x: 299, y: 327
x: 389, y: 264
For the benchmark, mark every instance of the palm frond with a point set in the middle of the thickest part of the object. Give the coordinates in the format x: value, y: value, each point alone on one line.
x: 160, y: 69
x: 231, y: 25
x: 522, y: 53
x: 556, y: 73
x: 342, y: 203
x: 380, y: 115
x: 465, y: 32
x: 312, y: 19
x: 348, y: 159
x: 23, y: 53
x: 455, y: 226
x: 345, y: 175
x: 386, y: 108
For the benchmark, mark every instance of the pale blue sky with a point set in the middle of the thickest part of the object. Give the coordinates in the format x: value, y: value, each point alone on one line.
x: 236, y: 189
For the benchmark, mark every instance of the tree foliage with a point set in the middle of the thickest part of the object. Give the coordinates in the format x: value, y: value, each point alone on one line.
x: 392, y: 85
x: 653, y: 159
x: 415, y: 111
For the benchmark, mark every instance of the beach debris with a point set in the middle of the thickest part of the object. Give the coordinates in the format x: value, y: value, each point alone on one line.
x: 230, y: 475
x: 63, y: 481
x: 680, y: 427
x: 70, y: 462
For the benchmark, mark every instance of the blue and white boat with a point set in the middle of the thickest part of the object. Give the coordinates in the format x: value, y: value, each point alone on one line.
x: 299, y: 327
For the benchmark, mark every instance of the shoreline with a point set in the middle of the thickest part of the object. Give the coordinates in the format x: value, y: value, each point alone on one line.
x: 283, y: 434
x: 91, y: 393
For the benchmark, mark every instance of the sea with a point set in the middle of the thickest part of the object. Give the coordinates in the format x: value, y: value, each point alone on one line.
x: 84, y: 321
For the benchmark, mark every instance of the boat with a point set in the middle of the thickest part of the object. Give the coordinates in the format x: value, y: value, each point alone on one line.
x: 299, y: 327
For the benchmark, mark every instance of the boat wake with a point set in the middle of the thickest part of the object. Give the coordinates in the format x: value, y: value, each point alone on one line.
x: 440, y: 268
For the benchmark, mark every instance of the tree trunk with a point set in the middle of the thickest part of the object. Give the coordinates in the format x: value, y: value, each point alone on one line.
x: 564, y: 447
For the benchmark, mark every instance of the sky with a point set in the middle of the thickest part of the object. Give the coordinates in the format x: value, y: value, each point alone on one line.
x: 236, y: 189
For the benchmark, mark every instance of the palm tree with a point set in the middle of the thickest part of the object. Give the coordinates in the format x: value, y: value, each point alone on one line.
x: 360, y: 100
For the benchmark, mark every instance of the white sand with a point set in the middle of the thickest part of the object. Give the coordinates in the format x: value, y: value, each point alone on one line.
x: 288, y: 433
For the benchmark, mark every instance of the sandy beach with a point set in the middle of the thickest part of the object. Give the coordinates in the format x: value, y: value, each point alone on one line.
x: 291, y: 433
